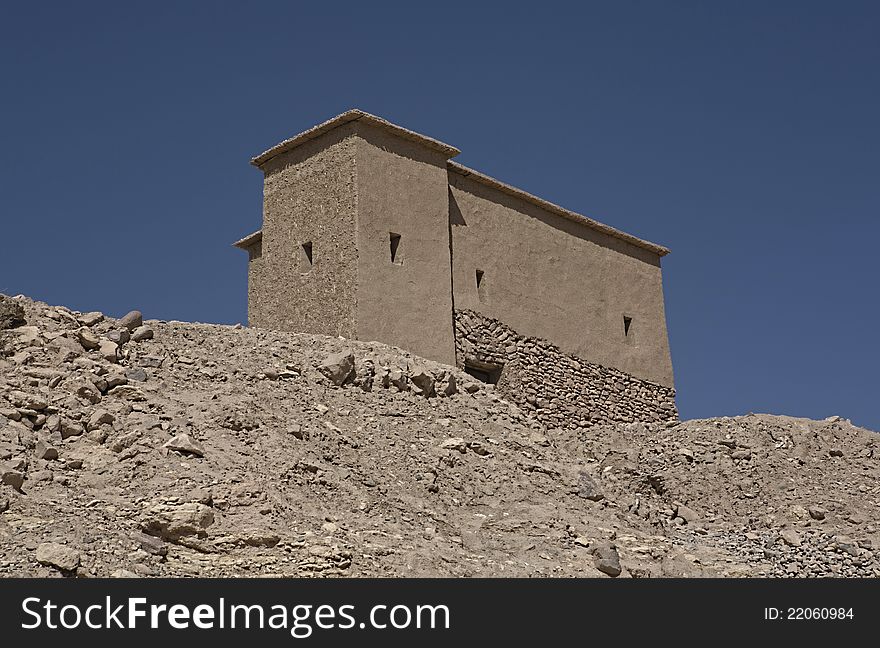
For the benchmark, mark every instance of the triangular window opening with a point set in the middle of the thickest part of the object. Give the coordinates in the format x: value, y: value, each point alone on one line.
x: 395, y: 244
x: 627, y: 321
x: 307, y: 250
x: 479, y: 278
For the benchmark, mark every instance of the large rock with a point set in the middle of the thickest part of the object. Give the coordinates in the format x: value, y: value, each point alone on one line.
x: 58, y: 556
x: 338, y: 367
x: 11, y: 313
x: 132, y: 320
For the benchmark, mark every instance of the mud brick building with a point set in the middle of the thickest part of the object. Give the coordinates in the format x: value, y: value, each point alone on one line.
x: 372, y: 232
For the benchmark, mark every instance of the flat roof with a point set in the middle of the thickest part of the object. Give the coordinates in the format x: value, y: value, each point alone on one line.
x: 449, y: 151
x: 345, y: 118
x: 553, y: 208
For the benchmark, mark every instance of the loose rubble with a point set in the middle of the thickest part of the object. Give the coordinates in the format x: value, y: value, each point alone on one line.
x: 208, y: 450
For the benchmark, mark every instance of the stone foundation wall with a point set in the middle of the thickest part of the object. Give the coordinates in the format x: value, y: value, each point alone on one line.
x: 559, y: 389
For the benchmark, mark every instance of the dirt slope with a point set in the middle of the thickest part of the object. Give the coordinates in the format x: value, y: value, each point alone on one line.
x: 209, y: 450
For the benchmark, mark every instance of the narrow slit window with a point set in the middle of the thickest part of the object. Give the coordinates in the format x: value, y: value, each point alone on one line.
x: 481, y: 291
x: 627, y: 322
x: 306, y: 257
x: 479, y: 279
x: 395, y: 245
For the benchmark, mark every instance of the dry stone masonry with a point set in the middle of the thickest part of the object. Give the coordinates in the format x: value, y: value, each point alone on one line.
x: 562, y: 390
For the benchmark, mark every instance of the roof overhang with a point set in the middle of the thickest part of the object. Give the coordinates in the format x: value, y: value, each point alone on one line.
x: 249, y: 240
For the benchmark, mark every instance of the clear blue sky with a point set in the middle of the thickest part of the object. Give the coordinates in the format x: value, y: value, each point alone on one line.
x: 743, y: 135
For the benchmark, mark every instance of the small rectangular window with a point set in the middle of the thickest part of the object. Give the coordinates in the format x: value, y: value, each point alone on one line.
x: 395, y: 245
x: 627, y: 322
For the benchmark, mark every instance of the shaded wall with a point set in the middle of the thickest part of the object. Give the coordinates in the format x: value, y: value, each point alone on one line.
x: 549, y: 278
x: 402, y: 193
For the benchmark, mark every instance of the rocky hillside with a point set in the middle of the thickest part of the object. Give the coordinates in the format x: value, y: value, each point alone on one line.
x: 174, y: 449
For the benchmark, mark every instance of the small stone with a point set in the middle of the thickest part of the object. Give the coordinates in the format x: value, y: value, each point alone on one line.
x: 11, y: 314
x: 136, y: 374
x: 835, y: 452
x: 741, y: 455
x: 817, y: 512
x: 98, y: 418
x: 454, y: 443
x: 89, y: 392
x: 338, y: 367
x: 45, y: 450
x: 24, y: 400
x: 115, y: 380
x: 119, y: 336
x: 423, y: 381
x: 71, y: 429
x: 687, y: 514
x: 90, y: 319
x: 173, y: 522
x: 151, y: 544
x: 87, y: 338
x: 11, y: 477
x: 132, y: 320
x: 124, y: 573
x: 142, y: 333
x: 588, y: 488
x: 186, y: 444
x: 606, y: 559
x: 846, y: 545
x: 539, y: 439
x: 791, y: 537
x: 58, y: 556
x: 109, y: 350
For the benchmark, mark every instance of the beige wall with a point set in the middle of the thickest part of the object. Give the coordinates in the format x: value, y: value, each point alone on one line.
x: 548, y: 277
x: 255, y: 280
x: 402, y: 188
x: 544, y: 276
x: 310, y: 194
